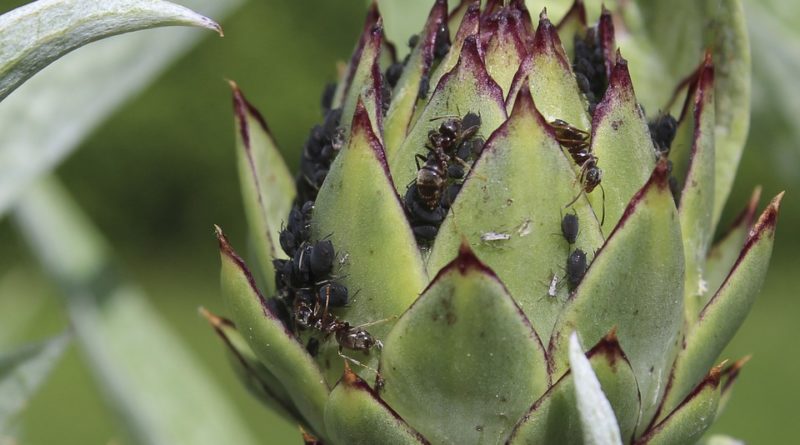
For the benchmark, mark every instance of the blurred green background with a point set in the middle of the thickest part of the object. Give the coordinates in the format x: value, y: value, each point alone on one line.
x: 161, y: 171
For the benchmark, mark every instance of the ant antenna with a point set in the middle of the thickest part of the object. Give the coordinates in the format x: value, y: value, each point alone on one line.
x: 373, y: 323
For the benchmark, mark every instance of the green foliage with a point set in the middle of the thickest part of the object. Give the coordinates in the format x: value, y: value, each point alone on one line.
x: 22, y: 372
x: 469, y: 348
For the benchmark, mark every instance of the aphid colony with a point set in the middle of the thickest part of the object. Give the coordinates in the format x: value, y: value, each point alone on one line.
x: 321, y: 147
x: 308, y: 289
x: 452, y: 149
x: 441, y: 46
x: 589, y: 67
x: 307, y: 286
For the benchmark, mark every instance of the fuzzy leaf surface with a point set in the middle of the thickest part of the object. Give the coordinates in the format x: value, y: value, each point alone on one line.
x: 65, y: 25
x: 406, y: 93
x: 23, y: 371
x: 697, y: 194
x: 276, y: 347
x: 356, y: 415
x: 467, y: 88
x: 554, y: 418
x: 548, y: 75
x: 253, y: 374
x: 501, y: 195
x: 622, y: 144
x: 635, y: 284
x: 668, y: 38
x: 595, y: 413
x: 725, y: 312
x: 466, y: 352
x: 267, y: 185
x: 690, y: 419
x: 722, y: 255
x: 359, y: 210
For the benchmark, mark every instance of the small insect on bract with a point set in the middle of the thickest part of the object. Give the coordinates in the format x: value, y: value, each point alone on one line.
x: 570, y: 227
x: 577, y: 142
x: 576, y: 268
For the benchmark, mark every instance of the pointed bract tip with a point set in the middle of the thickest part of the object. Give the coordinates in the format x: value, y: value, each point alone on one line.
x: 715, y: 373
x: 577, y: 10
x: 350, y: 378
x: 736, y: 366
x: 611, y: 337
x: 361, y: 120
x: 225, y: 246
x: 547, y: 41
x: 620, y: 61
x: 661, y: 173
x: 467, y: 260
x: 308, y: 438
x: 212, y: 319
x: 620, y: 78
x: 470, y: 52
x: 708, y: 58
x: 769, y: 217
x: 609, y: 346
x: 543, y: 16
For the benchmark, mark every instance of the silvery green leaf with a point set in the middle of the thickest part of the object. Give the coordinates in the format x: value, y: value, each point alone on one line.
x: 65, y: 25
x: 22, y: 372
x: 719, y: 439
x: 51, y: 114
x: 151, y: 378
x: 597, y: 418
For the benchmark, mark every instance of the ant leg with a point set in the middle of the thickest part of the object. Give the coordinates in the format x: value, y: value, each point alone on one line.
x: 574, y: 199
x: 419, y: 157
x: 327, y: 299
x: 354, y: 361
x: 603, y: 191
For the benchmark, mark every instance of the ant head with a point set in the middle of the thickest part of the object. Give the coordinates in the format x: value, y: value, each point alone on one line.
x: 593, y: 177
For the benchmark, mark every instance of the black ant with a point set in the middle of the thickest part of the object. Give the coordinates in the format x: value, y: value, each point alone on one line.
x: 577, y: 143
x: 315, y: 316
x: 432, y: 175
x: 454, y: 131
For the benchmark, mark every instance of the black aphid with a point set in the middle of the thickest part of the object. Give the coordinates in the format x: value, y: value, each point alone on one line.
x: 327, y: 97
x: 576, y: 268
x: 333, y: 294
x: 424, y: 87
x: 442, y: 43
x: 570, y: 227
x: 662, y: 131
x: 323, y: 143
x: 312, y: 347
x: 321, y: 260
x: 589, y: 67
x: 393, y: 73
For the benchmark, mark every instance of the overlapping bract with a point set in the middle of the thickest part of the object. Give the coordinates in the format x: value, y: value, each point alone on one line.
x: 477, y: 329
